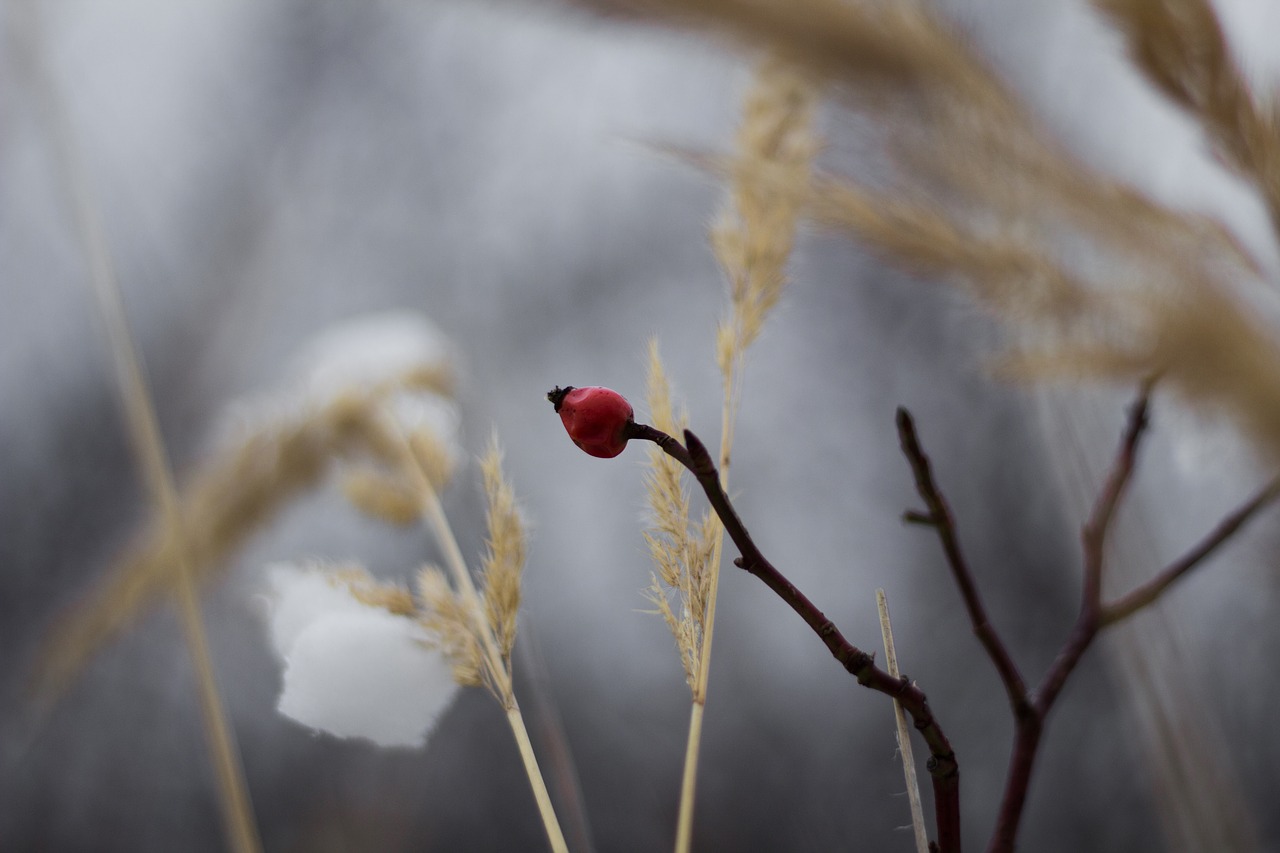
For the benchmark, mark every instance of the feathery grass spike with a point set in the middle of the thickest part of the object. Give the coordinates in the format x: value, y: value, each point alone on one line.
x: 769, y: 179
x: 227, y: 499
x: 680, y: 555
x: 504, y: 556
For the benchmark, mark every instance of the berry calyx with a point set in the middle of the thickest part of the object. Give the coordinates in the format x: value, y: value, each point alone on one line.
x: 599, y: 420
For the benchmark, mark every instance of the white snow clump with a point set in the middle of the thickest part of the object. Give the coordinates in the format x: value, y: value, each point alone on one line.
x: 352, y: 669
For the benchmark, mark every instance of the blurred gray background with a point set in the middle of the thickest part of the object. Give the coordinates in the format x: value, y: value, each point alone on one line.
x: 267, y: 169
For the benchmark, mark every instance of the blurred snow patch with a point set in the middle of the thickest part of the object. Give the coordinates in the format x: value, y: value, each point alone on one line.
x: 352, y: 669
x: 369, y: 349
x: 364, y: 351
x: 436, y: 414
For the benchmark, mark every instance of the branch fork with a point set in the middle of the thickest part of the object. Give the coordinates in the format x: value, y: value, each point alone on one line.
x: 1030, y: 707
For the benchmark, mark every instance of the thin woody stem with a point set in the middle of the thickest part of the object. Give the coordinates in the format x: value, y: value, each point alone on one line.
x: 1030, y: 727
x: 1104, y: 509
x: 1146, y: 594
x: 943, y: 767
x: 939, y: 517
x: 1094, y: 615
x: 1094, y: 539
x: 1030, y: 710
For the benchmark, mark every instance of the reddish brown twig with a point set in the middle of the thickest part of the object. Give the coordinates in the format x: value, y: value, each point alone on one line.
x: 1093, y: 538
x: 1140, y: 597
x: 942, y: 764
x: 1095, y: 529
x: 940, y: 518
x: 1031, y: 709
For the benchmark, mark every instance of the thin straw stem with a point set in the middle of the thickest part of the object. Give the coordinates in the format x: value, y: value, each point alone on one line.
x: 904, y: 735
x: 693, y: 745
x: 434, y: 516
x: 237, y: 809
x: 144, y: 432
x: 689, y: 779
x: 516, y: 720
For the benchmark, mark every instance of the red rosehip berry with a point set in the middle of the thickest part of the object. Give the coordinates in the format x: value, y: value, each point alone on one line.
x: 597, y: 419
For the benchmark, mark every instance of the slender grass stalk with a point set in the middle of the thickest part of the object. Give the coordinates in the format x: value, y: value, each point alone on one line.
x: 689, y: 778
x: 693, y: 744
x: 752, y: 244
x: 516, y: 720
x: 434, y: 517
x: 549, y: 726
x: 242, y: 834
x: 237, y: 809
x: 149, y: 446
x: 904, y: 734
x: 144, y: 432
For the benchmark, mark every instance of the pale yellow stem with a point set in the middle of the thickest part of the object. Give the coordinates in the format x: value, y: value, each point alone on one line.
x: 144, y: 431
x: 148, y: 444
x: 689, y: 781
x: 540, y: 794
x: 237, y: 809
x: 434, y: 516
x: 904, y: 734
x: 693, y: 744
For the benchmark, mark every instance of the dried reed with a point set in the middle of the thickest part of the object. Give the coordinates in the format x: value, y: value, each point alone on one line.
x: 752, y: 241
x: 393, y: 468
x: 1180, y: 46
x: 477, y: 627
x: 228, y: 498
x: 150, y: 453
x: 904, y: 733
x: 681, y: 551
